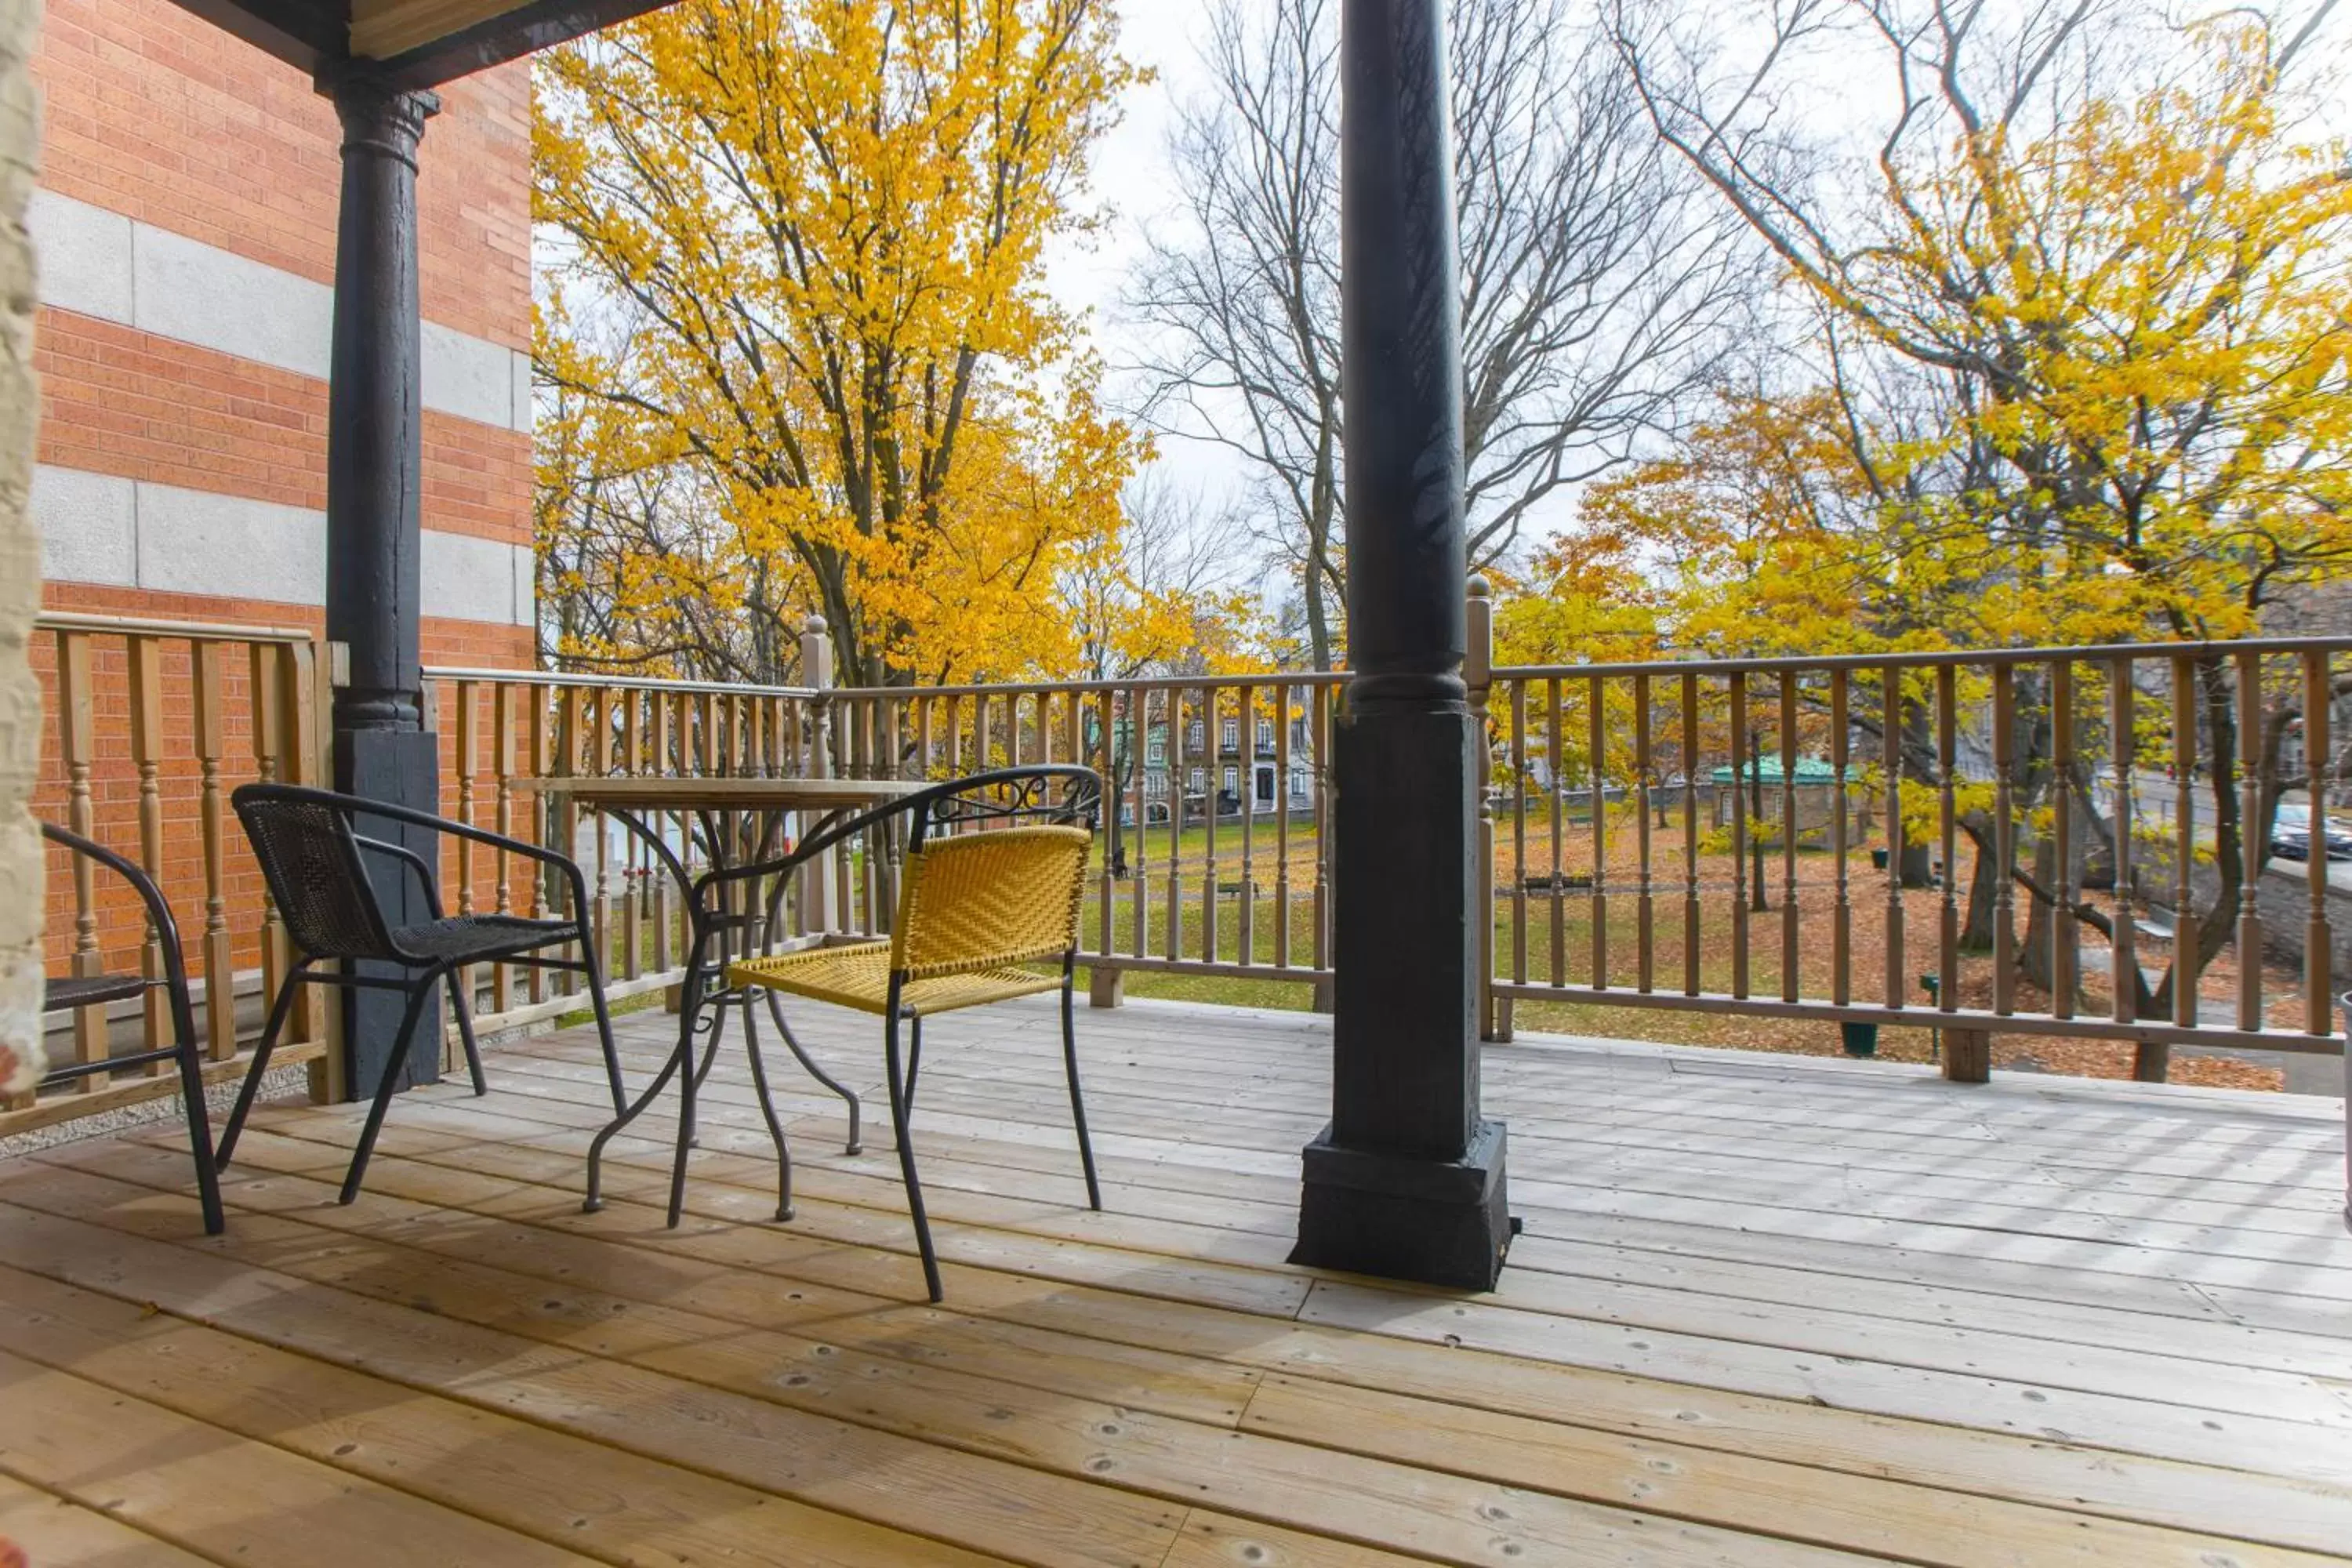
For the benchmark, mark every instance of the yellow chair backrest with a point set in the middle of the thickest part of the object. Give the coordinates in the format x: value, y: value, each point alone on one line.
x: 978, y: 901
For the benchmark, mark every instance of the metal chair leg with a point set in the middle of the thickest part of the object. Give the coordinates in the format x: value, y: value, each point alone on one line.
x: 1077, y: 1103
x: 906, y: 1161
x: 200, y: 1134
x: 418, y: 996
x: 792, y: 1043
x: 604, y: 1035
x: 914, y: 1059
x: 294, y: 980
x: 463, y: 1006
x: 689, y: 1082
x: 768, y: 1110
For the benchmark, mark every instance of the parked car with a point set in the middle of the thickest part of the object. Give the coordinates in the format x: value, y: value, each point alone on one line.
x: 2290, y: 834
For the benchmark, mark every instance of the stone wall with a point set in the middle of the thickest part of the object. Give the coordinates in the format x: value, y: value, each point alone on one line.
x: 20, y: 576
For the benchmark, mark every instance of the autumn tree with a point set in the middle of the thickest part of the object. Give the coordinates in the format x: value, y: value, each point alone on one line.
x: 1594, y: 279
x: 2091, y: 366
x: 823, y: 374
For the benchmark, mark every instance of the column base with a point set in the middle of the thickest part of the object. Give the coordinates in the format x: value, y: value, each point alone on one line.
x: 1435, y: 1221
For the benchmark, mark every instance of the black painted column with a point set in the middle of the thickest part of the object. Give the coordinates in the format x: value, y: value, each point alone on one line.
x: 1408, y: 1180
x: 374, y: 477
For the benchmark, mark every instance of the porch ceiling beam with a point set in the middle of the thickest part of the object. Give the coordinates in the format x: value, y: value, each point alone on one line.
x: 410, y: 44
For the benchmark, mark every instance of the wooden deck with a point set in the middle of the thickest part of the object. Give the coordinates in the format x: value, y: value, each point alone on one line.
x: 1765, y: 1310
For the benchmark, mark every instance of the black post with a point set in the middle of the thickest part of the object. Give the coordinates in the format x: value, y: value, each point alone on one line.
x: 375, y: 474
x: 1407, y: 1180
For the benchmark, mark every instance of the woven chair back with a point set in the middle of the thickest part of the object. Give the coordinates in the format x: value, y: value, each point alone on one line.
x: 980, y: 901
x: 312, y: 865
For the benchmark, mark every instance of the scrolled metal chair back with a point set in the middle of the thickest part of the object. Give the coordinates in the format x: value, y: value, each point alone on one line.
x: 310, y: 859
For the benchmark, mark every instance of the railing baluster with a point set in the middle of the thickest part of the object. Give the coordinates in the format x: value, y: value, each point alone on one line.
x: 220, y: 974
x: 1213, y: 796
x: 1596, y: 723
x: 1789, y: 832
x: 1245, y: 936
x: 2062, y: 932
x: 1740, y: 767
x: 636, y: 862
x: 1947, y: 953
x: 1178, y: 781
x: 1842, y: 909
x: 469, y: 749
x: 2186, y: 936
x: 77, y: 737
x: 268, y: 736
x: 147, y: 745
x: 2318, y: 991
x: 503, y: 698
x: 2124, y: 745
x: 1139, y: 869
x: 1644, y: 887
x: 2004, y: 839
x: 2250, y: 805
x: 1283, y: 797
x: 1556, y: 808
x: 1518, y: 765
x: 1890, y: 748
x: 1322, y: 732
x: 1694, y: 910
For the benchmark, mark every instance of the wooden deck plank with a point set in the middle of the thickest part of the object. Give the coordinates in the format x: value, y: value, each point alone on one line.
x: 1793, y: 1168
x: 2084, y: 1480
x: 1979, y: 1353
x: 1723, y: 1253
x: 53, y: 1532
x: 558, y: 1488
x: 1773, y: 1499
x: 219, y: 1496
x: 1000, y: 1509
x: 1672, y: 1301
x: 1453, y: 1518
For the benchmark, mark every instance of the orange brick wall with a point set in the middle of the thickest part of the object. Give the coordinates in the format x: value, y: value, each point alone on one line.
x: 115, y: 400
x: 157, y: 114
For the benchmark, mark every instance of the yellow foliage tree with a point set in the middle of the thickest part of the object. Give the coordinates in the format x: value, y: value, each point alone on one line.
x: 2085, y: 371
x: 802, y: 241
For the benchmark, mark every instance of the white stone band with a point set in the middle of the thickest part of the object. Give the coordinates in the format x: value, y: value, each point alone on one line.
x: 99, y: 263
x: 130, y: 534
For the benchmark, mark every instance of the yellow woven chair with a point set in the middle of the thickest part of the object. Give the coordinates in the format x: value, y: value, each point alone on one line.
x: 973, y: 910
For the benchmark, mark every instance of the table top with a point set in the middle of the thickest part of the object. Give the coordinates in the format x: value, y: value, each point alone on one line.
x: 674, y: 793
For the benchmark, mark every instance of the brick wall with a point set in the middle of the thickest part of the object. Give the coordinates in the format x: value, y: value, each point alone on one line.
x: 166, y: 132
x: 155, y: 113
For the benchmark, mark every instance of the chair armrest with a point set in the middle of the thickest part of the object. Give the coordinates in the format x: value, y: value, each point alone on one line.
x: 414, y: 862
x: 159, y: 914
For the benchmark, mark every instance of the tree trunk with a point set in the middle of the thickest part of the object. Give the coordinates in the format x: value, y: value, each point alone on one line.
x: 1984, y: 880
x: 2038, y: 958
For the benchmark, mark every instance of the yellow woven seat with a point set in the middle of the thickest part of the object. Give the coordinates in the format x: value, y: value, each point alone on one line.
x: 976, y: 910
x: 859, y: 977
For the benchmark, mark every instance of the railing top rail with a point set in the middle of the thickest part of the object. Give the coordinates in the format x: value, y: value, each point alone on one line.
x: 630, y: 682
x: 142, y: 626
x: 2086, y: 653
x: 1083, y: 688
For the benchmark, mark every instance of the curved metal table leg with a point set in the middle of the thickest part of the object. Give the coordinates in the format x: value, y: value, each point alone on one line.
x: 792, y: 1043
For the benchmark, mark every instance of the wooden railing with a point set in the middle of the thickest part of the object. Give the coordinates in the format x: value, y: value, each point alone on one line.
x: 147, y: 725
x: 499, y: 726
x: 1647, y: 848
x: 1652, y: 847
x: 1213, y: 858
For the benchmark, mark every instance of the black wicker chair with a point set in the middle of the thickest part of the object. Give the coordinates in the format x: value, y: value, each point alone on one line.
x: 310, y: 853
x: 97, y: 990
